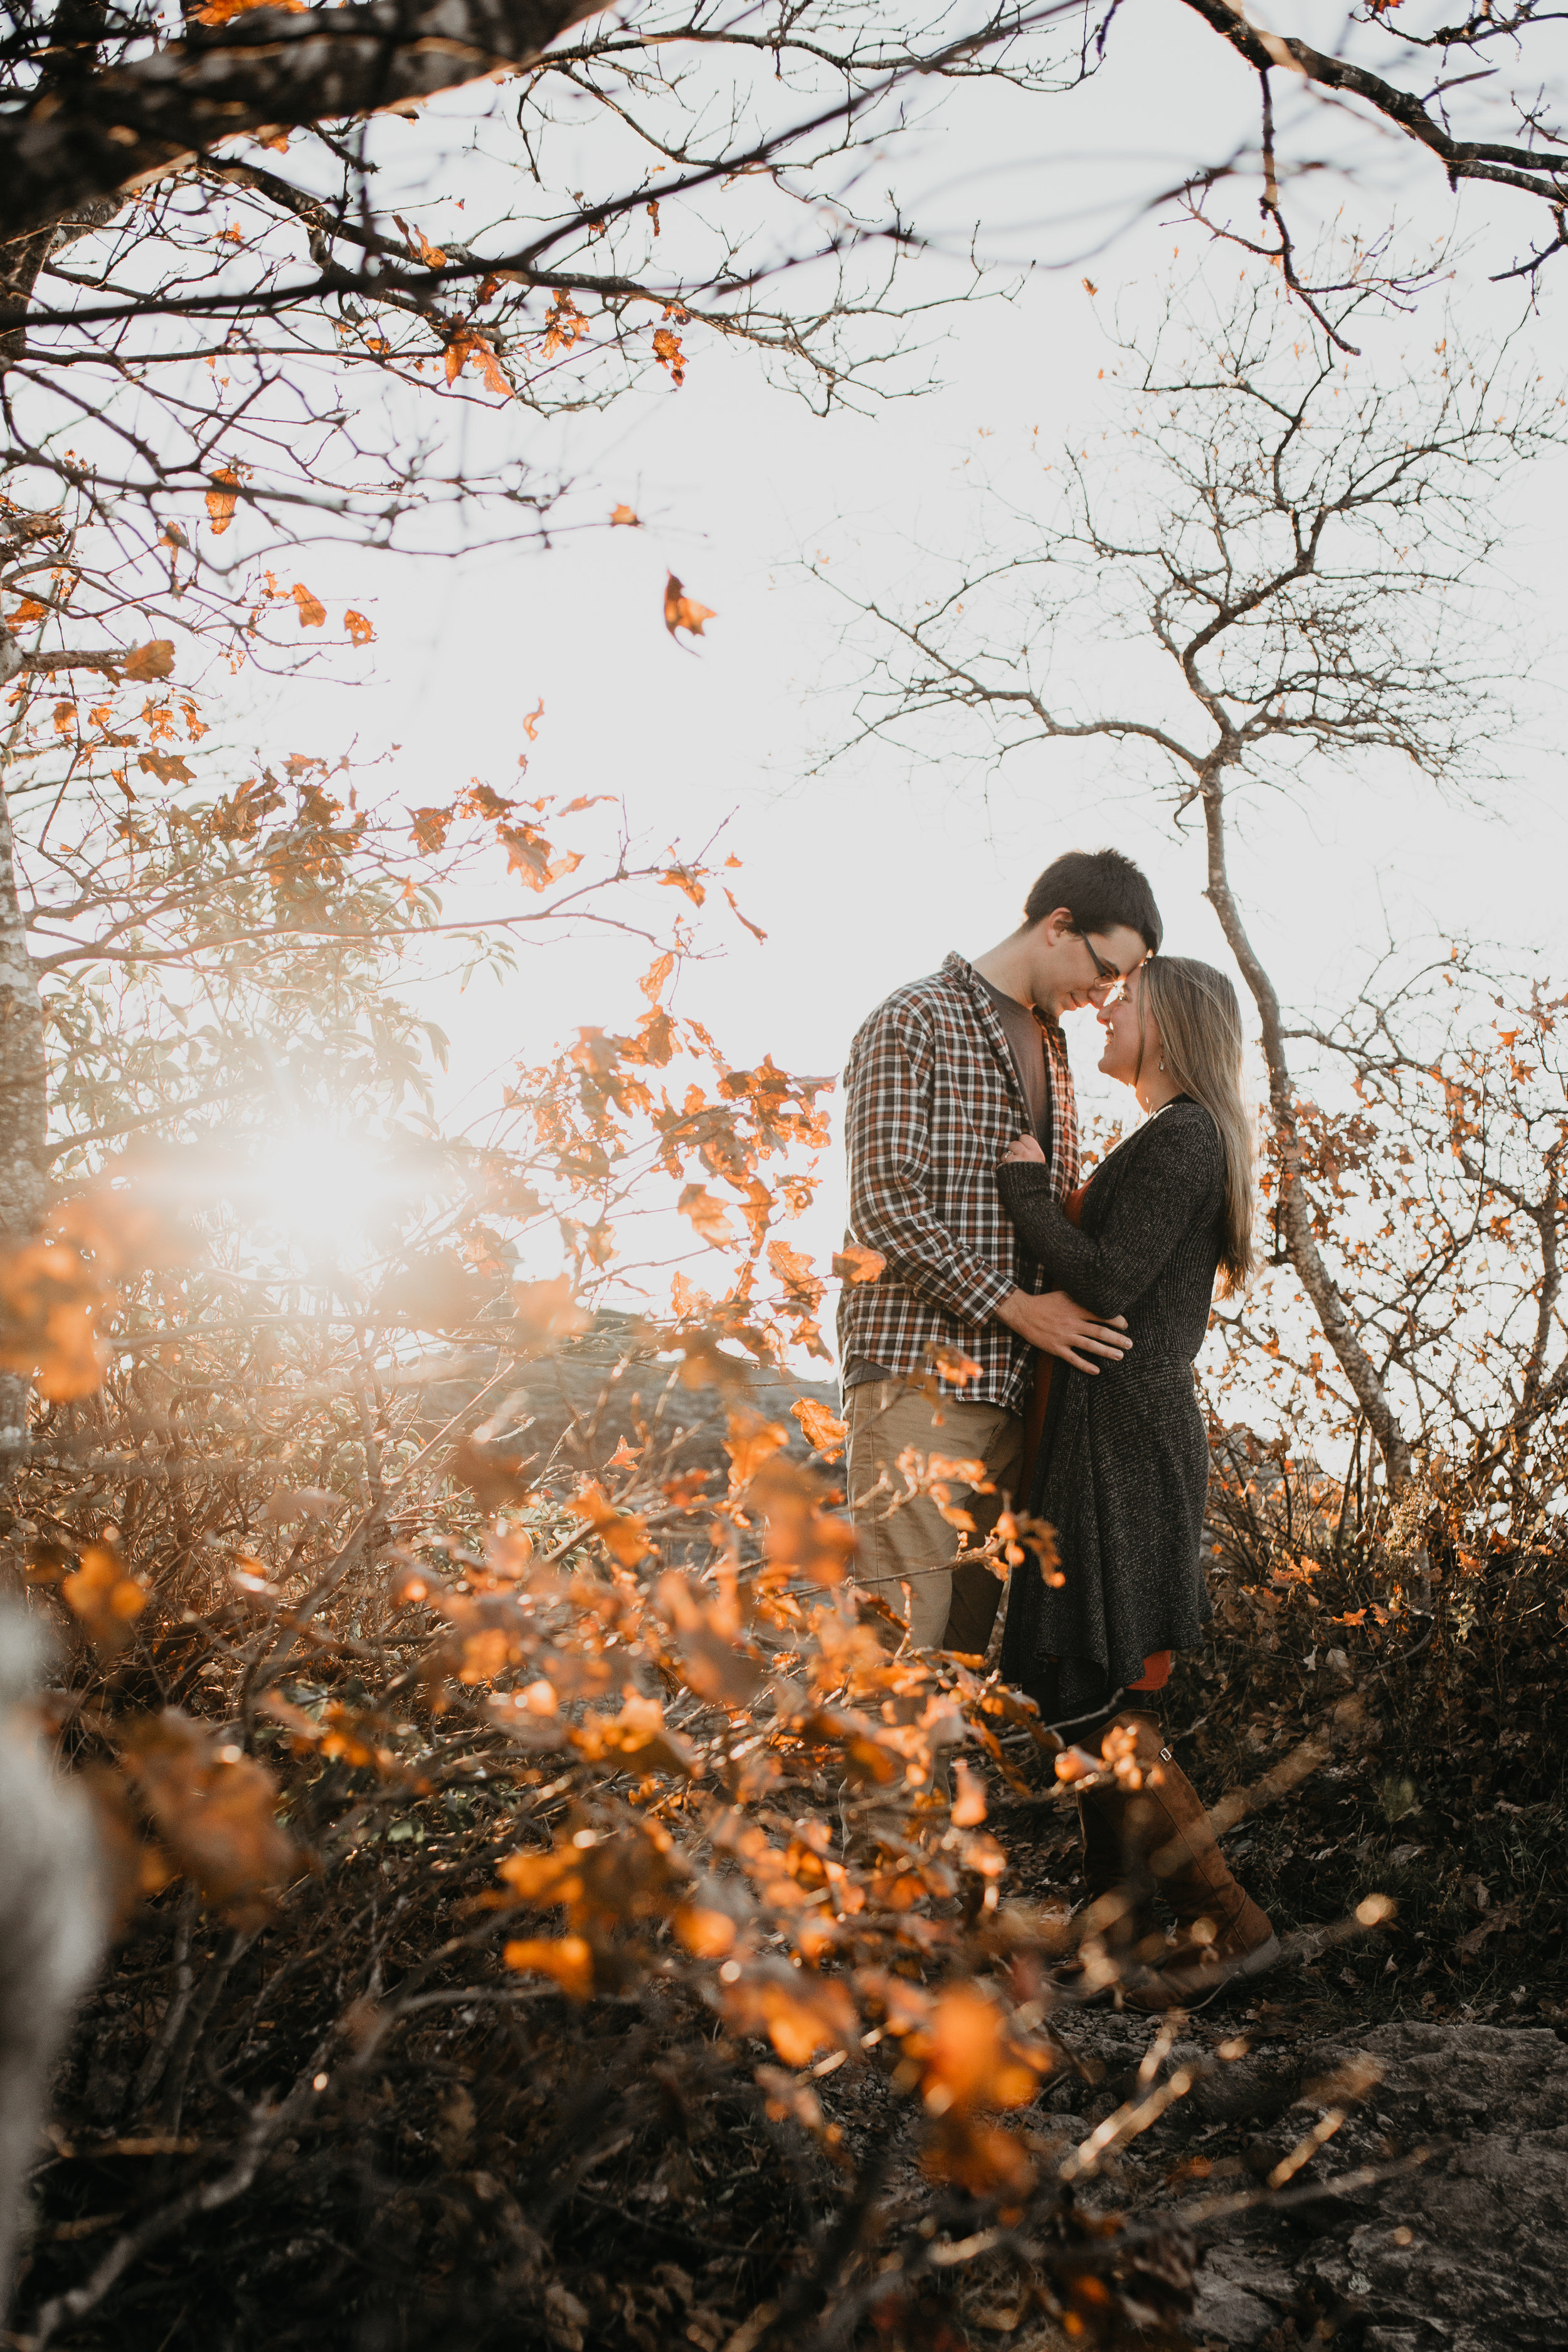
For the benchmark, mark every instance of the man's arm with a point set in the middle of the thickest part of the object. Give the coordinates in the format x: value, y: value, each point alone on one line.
x: 886, y: 1089
x: 888, y: 1125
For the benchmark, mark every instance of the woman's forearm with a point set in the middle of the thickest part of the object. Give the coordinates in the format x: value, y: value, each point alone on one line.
x: 1174, y: 1179
x: 1070, y: 1260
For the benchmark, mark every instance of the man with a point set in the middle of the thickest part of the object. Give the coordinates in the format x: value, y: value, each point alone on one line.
x: 940, y: 1080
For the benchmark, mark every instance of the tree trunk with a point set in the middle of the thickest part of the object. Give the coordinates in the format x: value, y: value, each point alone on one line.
x: 23, y: 1115
x: 24, y: 1077
x: 1295, y: 1212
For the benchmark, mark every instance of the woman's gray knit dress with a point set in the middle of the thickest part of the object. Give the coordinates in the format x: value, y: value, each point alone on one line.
x: 1122, y: 1468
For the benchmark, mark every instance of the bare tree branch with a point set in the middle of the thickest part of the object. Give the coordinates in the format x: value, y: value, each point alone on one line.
x: 266, y: 71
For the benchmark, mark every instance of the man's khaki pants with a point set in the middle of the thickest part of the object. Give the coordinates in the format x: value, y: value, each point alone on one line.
x: 908, y: 1544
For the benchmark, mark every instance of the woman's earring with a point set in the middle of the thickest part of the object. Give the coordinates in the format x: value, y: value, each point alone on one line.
x: 1162, y: 1069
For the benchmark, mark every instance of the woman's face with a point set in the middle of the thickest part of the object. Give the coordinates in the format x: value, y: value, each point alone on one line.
x: 1128, y: 1028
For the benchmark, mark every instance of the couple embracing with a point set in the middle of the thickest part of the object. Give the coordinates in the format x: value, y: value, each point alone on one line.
x: 1083, y: 1308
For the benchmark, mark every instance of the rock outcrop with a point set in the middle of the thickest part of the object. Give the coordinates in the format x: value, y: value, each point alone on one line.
x: 577, y: 1406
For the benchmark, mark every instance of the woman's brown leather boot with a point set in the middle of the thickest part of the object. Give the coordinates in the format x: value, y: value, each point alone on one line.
x: 1221, y: 1933
x: 1118, y: 1933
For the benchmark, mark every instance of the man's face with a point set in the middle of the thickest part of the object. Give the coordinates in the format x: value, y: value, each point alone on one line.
x: 1071, y: 969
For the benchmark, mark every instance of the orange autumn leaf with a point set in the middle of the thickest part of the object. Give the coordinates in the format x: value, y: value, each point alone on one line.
x: 684, y: 878
x: 29, y: 609
x: 707, y: 1933
x: 988, y: 2162
x: 169, y: 767
x: 796, y: 2101
x: 217, y: 1811
x: 146, y: 664
x: 853, y: 1264
x: 493, y: 1478
x: 469, y: 348
x: 531, y: 724
x: 359, y: 628
x: 653, y: 980
x: 430, y: 255
x: 683, y: 612
x: 600, y: 1881
x: 970, y: 2058
x: 430, y: 828
x: 547, y: 1310
x: 798, y: 1533
x: 568, y: 1958
x: 954, y: 1366
x: 223, y: 12
x: 709, y: 1217
x: 639, y: 1733
x: 312, y: 612
x: 706, y: 1626
x: 792, y: 1270
x: 624, y: 514
x: 564, y: 324
x: 954, y: 1469
x: 799, y: 2012
x: 623, y: 1533
x: 655, y: 1040
x: 666, y: 350
x: 127, y: 1229
x: 221, y: 499
x: 749, y: 1443
x: 528, y: 855
x: 754, y: 928
x: 545, y: 1878
x: 969, y: 1803
x: 824, y: 1430
x: 104, y: 1595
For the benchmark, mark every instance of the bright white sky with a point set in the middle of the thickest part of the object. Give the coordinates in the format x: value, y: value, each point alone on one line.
x: 864, y: 877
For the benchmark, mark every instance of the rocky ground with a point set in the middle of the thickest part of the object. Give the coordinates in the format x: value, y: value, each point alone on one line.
x: 1422, y: 2210
x: 1432, y: 2214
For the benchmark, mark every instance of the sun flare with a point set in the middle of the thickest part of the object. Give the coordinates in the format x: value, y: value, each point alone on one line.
x: 324, y: 1187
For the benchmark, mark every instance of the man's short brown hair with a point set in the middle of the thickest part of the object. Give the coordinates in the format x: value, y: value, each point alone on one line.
x: 1100, y: 889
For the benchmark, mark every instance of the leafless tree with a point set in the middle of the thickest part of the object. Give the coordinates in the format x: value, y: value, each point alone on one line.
x: 1290, y: 550
x: 1447, y: 1167
x: 1402, y: 69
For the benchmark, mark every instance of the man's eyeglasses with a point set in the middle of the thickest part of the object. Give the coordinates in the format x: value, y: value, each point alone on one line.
x: 1106, y: 975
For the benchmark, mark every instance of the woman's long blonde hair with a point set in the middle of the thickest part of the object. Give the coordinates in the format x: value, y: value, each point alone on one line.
x: 1196, y: 1010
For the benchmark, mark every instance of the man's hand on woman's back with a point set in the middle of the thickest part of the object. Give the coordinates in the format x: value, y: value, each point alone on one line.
x: 1051, y: 1321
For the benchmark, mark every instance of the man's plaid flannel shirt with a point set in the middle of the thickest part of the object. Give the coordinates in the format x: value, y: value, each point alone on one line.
x: 933, y: 1101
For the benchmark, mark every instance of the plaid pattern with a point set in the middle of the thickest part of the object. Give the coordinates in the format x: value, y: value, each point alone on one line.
x: 932, y: 1101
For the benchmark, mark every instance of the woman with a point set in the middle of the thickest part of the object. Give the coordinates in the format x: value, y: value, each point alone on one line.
x: 1121, y: 1472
